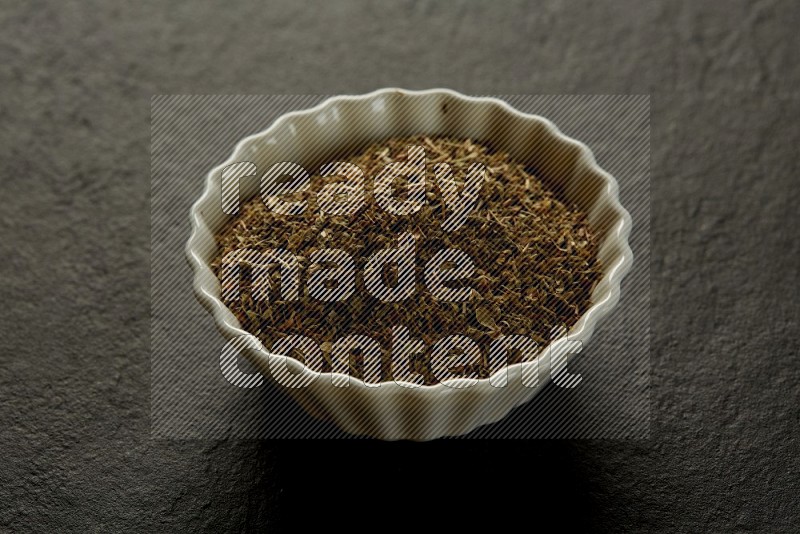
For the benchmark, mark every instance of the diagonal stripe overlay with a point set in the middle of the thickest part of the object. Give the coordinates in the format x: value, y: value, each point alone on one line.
x: 190, y: 396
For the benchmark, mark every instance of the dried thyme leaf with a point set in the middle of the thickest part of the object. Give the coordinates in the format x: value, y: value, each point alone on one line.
x: 485, y: 318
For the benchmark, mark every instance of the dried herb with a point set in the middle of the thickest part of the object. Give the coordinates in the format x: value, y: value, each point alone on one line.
x: 534, y: 256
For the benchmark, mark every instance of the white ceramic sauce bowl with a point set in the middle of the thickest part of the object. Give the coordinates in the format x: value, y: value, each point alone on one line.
x: 315, y: 136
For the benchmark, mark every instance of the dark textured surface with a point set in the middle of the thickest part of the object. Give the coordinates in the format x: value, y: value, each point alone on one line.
x: 77, y: 80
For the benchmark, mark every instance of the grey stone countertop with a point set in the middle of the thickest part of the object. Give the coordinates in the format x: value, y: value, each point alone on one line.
x: 77, y: 79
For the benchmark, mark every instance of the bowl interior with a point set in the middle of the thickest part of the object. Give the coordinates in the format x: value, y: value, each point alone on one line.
x: 346, y: 125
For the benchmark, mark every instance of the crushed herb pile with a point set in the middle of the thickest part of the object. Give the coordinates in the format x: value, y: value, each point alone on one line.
x: 534, y: 257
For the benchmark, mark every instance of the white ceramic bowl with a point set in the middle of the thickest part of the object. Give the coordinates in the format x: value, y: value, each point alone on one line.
x: 314, y: 136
